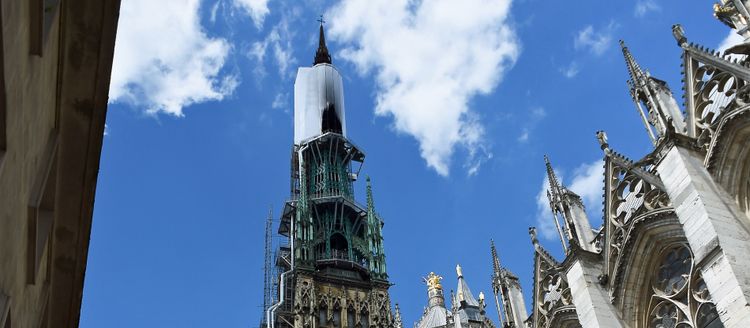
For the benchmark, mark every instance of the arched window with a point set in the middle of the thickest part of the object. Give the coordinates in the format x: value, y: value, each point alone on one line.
x: 364, y: 319
x: 350, y: 319
x: 323, y: 316
x: 680, y: 297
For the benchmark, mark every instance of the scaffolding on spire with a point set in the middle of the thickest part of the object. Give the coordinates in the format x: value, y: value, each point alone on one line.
x: 269, y: 274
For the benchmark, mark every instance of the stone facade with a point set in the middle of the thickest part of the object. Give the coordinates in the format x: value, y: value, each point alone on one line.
x: 54, y: 81
x: 673, y: 248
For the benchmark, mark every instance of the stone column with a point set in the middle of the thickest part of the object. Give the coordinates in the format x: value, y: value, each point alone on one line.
x: 716, y: 230
x: 590, y: 299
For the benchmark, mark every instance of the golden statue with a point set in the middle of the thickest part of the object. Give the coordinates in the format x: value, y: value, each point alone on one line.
x: 433, y: 281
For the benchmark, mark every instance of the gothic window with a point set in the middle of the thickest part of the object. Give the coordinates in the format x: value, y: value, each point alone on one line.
x: 364, y: 319
x: 337, y: 318
x: 323, y: 316
x: 41, y: 209
x: 350, y: 317
x: 42, y: 14
x: 680, y: 297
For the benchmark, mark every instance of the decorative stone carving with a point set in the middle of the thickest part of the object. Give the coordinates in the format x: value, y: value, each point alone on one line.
x: 680, y: 297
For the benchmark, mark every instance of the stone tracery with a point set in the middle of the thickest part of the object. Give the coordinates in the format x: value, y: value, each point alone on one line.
x: 679, y: 298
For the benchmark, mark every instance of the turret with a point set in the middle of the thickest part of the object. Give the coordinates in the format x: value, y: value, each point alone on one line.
x: 567, y: 205
x: 511, y: 307
x: 653, y: 99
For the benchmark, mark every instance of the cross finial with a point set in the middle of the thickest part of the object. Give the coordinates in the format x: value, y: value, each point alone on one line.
x: 321, y: 20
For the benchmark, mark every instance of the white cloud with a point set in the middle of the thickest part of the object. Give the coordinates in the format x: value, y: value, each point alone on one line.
x: 595, y: 41
x: 256, y: 9
x: 281, y: 101
x: 214, y: 10
x: 571, y: 70
x: 279, y: 41
x: 430, y: 58
x: 587, y: 182
x: 643, y: 7
x: 524, y: 135
x: 163, y: 59
x: 536, y: 114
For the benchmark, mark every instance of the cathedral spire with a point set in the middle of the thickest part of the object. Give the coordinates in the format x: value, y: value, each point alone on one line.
x: 511, y: 308
x: 555, y: 189
x: 322, y: 55
x: 661, y: 113
x: 495, y: 259
x: 555, y: 196
x: 569, y: 207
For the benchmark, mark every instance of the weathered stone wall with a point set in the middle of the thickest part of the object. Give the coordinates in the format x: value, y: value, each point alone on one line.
x: 56, y: 98
x: 31, y: 83
x: 716, y: 230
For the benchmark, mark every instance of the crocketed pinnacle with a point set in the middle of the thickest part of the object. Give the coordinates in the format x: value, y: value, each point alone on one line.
x: 636, y: 73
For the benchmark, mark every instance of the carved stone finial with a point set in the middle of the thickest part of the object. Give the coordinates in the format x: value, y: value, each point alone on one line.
x: 679, y: 34
x: 532, y: 233
x: 459, y: 272
x: 601, y: 136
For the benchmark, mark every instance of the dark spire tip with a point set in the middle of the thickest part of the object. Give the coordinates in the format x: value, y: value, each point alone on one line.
x: 322, y: 55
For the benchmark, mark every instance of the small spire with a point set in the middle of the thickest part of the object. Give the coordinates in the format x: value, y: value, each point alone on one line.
x: 397, y: 321
x: 495, y: 259
x: 322, y: 55
x: 661, y: 113
x: 370, y: 201
x: 555, y: 189
x: 637, y: 76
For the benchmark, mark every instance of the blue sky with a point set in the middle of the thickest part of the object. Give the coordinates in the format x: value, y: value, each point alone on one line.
x: 454, y: 103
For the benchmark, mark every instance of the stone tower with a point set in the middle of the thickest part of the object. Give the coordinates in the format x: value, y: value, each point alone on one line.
x: 333, y: 271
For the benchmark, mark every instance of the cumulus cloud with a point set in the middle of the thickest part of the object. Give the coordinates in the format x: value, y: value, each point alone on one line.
x: 256, y: 9
x: 279, y: 43
x: 164, y: 61
x: 597, y: 42
x: 281, y: 101
x: 643, y: 7
x: 571, y: 70
x: 587, y: 182
x: 430, y: 58
x: 536, y: 114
